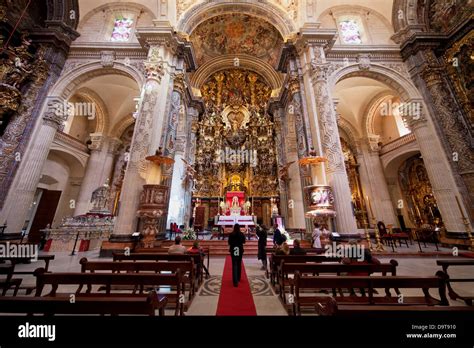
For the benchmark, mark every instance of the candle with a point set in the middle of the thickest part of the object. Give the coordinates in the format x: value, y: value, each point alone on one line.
x: 460, y: 209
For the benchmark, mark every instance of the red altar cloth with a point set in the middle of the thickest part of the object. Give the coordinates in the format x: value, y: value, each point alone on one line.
x: 229, y: 198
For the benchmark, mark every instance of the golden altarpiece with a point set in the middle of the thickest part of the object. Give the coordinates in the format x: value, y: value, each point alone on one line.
x: 235, y: 146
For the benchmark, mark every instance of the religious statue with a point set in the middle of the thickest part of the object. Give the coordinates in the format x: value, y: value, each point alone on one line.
x: 235, y: 202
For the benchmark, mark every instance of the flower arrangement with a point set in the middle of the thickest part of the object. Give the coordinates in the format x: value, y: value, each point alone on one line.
x: 189, y: 234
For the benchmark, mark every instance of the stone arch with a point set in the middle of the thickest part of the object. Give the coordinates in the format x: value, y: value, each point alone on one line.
x: 404, y: 87
x: 391, y: 164
x: 368, y: 120
x: 77, y: 162
x: 409, y: 13
x: 262, y: 9
x: 117, y: 6
x: 102, y: 116
x: 350, y: 131
x: 247, y: 62
x: 121, y: 126
x: 67, y: 85
x: 359, y: 10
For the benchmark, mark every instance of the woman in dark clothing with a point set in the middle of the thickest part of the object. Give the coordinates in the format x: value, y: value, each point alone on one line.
x: 236, y: 249
x: 262, y: 245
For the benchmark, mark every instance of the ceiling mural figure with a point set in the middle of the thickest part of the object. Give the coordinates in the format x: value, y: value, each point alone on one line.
x: 236, y: 34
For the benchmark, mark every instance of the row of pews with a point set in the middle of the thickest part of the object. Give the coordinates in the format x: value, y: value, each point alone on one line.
x: 324, y: 286
x: 131, y: 284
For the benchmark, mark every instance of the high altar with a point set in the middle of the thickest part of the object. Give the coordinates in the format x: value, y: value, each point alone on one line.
x: 236, y: 162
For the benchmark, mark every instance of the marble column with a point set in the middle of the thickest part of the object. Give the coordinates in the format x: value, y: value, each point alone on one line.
x: 91, y: 179
x: 98, y: 170
x: 331, y: 144
x: 22, y: 195
x: 439, y: 172
x: 150, y: 116
x: 374, y: 183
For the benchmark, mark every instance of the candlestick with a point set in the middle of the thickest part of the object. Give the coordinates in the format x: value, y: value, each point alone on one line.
x: 460, y: 209
x: 370, y: 206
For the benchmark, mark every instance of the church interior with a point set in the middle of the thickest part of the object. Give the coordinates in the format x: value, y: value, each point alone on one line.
x: 139, y: 139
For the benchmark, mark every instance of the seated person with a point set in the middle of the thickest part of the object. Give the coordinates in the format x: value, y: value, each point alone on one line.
x: 297, y: 249
x: 195, y: 249
x: 284, y: 249
x: 177, y: 248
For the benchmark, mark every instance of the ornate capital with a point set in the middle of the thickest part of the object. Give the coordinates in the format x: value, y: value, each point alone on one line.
x: 374, y: 142
x: 154, y: 70
x: 97, y: 140
x: 114, y: 146
x: 412, y: 114
x: 320, y: 71
x: 53, y: 119
x: 294, y: 85
x: 179, y: 83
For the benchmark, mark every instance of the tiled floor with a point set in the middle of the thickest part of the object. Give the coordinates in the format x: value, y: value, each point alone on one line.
x: 266, y: 301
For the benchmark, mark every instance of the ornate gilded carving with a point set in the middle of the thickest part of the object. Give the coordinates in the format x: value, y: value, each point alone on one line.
x: 444, y: 14
x: 460, y: 66
x: 235, y: 136
x: 448, y: 113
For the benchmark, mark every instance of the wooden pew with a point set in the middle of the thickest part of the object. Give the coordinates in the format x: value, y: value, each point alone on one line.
x: 186, y: 267
x: 85, y: 305
x: 332, y: 308
x: 198, y: 260
x: 275, y: 261
x: 14, y: 261
x: 141, y: 283
x: 305, y: 283
x: 9, y: 281
x: 286, y: 269
x: 445, y: 264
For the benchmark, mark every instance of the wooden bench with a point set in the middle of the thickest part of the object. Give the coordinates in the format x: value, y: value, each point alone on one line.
x: 286, y: 269
x: 16, y: 261
x: 445, y: 264
x: 275, y: 261
x: 332, y: 308
x: 141, y: 283
x: 198, y: 259
x: 9, y: 281
x: 85, y: 305
x: 186, y: 267
x: 306, y: 283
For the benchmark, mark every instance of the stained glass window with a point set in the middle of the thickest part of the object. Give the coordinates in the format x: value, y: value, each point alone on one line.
x: 350, y: 32
x: 122, y: 29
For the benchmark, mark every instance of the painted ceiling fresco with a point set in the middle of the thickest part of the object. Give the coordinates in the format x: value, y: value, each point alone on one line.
x: 236, y: 34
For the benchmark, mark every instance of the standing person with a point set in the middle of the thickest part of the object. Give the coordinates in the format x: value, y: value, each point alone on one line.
x: 262, y: 245
x: 316, y: 236
x: 236, y: 248
x: 278, y: 238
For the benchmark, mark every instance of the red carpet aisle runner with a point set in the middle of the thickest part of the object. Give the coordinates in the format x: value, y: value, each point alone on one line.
x: 235, y: 301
